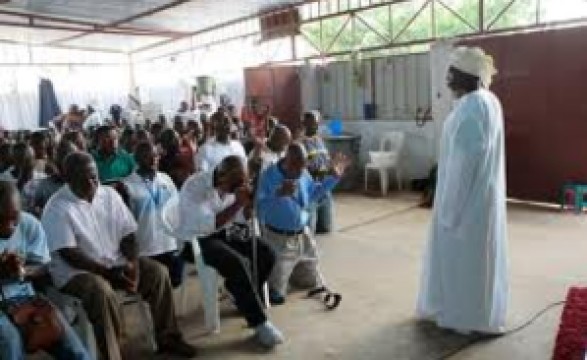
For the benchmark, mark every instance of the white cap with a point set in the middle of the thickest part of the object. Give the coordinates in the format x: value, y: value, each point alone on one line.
x: 317, y: 115
x: 476, y: 62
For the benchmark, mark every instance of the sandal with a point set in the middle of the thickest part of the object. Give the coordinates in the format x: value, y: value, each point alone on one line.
x: 331, y: 300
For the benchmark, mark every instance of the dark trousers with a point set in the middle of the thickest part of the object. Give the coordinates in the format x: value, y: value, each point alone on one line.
x: 232, y: 260
x: 174, y: 264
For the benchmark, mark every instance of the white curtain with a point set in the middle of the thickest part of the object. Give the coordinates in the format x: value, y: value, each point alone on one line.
x: 98, y: 85
x: 19, y: 99
x: 92, y: 81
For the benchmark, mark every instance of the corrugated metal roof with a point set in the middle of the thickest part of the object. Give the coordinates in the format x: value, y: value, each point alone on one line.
x: 158, y: 15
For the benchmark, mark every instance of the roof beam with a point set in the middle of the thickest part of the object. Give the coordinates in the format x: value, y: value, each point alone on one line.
x: 32, y: 17
x: 228, y: 23
x: 126, y: 20
x: 66, y: 47
x: 99, y: 30
x: 150, y: 12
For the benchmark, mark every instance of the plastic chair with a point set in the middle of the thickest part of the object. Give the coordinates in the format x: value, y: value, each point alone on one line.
x: 145, y: 314
x: 207, y: 275
x: 74, y: 312
x: 386, y: 159
x: 209, y: 278
x: 209, y: 281
x: 574, y: 192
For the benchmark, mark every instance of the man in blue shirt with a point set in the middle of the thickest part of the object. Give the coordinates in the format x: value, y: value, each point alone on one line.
x: 285, y: 196
x: 23, y: 248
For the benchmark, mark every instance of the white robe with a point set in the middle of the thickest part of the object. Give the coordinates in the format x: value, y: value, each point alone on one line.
x: 465, y: 277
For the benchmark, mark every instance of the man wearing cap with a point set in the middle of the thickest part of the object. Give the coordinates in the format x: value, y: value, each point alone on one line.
x: 465, y: 277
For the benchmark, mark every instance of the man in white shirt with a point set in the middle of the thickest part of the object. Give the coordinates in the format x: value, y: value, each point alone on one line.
x: 148, y: 192
x: 90, y: 232
x: 210, y: 202
x: 221, y: 146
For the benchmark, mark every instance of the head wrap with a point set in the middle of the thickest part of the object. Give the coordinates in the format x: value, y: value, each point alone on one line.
x: 474, y: 61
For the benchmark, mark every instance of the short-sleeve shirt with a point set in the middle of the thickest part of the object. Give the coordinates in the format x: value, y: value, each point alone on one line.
x: 28, y: 191
x: 45, y: 189
x: 147, y: 198
x: 199, y: 203
x: 96, y: 228
x: 318, y: 156
x: 116, y: 167
x: 213, y: 152
x: 29, y: 242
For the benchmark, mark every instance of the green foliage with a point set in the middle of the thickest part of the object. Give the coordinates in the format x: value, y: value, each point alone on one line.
x: 395, y: 23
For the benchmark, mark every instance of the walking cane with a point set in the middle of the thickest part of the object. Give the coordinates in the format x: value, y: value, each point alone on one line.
x: 256, y: 232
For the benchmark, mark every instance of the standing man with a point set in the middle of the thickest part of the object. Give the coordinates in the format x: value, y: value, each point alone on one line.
x: 319, y: 167
x: 210, y: 204
x: 221, y: 146
x: 91, y: 235
x: 465, y: 278
x: 268, y: 153
x: 114, y: 163
x: 255, y: 116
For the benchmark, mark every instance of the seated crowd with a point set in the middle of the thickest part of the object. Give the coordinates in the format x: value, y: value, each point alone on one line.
x: 83, y: 211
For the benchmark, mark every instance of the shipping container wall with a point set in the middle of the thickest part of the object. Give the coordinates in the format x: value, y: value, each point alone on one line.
x: 542, y: 85
x: 399, y: 86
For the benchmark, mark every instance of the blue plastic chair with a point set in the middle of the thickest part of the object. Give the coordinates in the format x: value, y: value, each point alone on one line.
x: 578, y: 191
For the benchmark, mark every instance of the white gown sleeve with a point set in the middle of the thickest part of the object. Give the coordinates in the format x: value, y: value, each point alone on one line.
x: 463, y: 167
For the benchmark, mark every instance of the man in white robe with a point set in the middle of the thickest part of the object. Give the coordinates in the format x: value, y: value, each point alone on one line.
x: 464, y: 283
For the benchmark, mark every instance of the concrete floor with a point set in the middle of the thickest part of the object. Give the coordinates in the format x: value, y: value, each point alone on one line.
x: 374, y: 260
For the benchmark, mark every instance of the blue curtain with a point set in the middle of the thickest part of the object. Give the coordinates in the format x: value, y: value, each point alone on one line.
x: 48, y: 105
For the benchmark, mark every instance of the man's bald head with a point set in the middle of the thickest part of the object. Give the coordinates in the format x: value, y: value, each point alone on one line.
x: 229, y: 165
x: 280, y: 138
x: 295, y: 160
x: 81, y: 174
x: 297, y: 151
x: 230, y: 174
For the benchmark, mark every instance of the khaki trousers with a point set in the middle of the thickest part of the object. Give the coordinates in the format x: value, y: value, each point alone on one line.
x: 102, y: 305
x: 297, y: 260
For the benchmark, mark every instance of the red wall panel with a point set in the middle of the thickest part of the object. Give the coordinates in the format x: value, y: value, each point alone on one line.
x: 542, y: 83
x: 280, y: 88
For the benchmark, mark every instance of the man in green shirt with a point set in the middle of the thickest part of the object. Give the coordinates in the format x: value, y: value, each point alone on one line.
x: 113, y: 163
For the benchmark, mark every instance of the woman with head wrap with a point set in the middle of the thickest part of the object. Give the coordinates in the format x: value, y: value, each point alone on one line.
x: 464, y: 280
x: 177, y: 162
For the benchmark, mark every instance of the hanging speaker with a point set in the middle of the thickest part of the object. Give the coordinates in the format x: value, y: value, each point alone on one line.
x: 280, y: 24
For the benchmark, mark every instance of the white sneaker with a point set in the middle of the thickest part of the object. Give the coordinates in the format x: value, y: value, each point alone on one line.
x: 268, y: 335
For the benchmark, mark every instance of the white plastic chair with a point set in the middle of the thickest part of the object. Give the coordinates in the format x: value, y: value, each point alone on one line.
x: 209, y: 281
x: 75, y: 314
x: 73, y: 310
x: 209, y: 278
x: 386, y: 159
x: 207, y: 275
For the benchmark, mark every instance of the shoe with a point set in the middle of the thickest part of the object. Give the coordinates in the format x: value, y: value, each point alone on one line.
x: 178, y: 347
x: 276, y: 298
x: 268, y: 335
